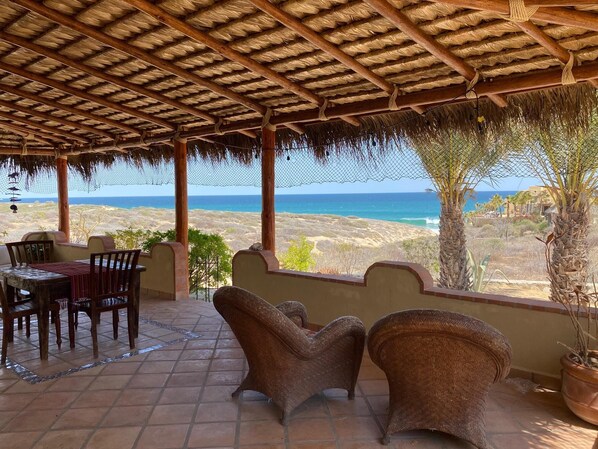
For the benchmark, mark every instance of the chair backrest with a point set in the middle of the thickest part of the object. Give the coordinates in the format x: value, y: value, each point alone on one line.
x: 428, y: 334
x: 30, y: 251
x: 258, y: 325
x: 112, y: 273
x: 3, y: 301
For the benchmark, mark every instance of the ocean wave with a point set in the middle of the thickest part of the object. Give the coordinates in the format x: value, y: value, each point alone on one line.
x: 427, y: 220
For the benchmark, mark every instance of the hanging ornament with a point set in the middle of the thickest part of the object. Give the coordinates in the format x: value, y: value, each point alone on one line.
x: 13, y: 190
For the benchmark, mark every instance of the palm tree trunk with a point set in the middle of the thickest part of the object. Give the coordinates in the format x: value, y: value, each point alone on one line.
x: 454, y: 269
x: 570, y: 253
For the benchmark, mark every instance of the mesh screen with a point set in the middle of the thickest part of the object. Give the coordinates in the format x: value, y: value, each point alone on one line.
x: 293, y: 168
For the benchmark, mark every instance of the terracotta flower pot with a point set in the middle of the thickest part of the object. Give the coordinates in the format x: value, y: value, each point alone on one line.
x: 580, y: 389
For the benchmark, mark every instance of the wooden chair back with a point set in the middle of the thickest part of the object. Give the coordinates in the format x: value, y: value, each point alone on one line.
x: 30, y: 251
x: 112, y: 274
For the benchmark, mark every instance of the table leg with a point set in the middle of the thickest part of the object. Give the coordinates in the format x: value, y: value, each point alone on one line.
x: 137, y: 302
x: 10, y: 293
x: 43, y: 327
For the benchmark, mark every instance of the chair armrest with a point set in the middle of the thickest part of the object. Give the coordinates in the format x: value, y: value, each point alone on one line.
x: 295, y: 311
x: 345, y: 326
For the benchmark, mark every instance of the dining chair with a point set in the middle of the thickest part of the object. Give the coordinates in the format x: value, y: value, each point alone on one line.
x: 9, y: 311
x: 111, y: 288
x: 30, y: 252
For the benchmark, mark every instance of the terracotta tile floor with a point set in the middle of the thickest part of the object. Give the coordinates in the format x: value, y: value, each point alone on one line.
x: 179, y: 397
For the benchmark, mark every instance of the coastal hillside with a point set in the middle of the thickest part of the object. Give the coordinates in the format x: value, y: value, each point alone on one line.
x: 342, y: 244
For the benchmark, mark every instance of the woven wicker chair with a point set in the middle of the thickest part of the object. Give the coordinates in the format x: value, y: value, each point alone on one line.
x: 440, y: 366
x: 285, y: 362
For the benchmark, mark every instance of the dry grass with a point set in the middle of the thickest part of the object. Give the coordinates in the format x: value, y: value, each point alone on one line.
x: 343, y: 245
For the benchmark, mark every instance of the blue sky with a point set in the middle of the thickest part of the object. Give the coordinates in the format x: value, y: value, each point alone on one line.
x: 405, y: 185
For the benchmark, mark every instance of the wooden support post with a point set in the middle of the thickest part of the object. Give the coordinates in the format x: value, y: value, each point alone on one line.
x: 268, y: 219
x: 181, y: 210
x: 63, y: 196
x: 180, y: 192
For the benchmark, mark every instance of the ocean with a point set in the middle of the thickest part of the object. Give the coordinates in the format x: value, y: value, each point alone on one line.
x: 415, y: 208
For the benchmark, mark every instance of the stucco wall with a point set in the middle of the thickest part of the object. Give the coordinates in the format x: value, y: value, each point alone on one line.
x: 532, y: 326
x: 165, y: 274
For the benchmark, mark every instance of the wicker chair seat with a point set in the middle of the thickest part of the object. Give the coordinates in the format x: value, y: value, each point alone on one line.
x: 440, y: 366
x: 286, y: 363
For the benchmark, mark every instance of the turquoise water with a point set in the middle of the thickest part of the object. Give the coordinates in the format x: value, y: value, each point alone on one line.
x: 416, y: 208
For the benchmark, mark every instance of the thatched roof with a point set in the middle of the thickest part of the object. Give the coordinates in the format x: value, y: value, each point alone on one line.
x: 105, y: 79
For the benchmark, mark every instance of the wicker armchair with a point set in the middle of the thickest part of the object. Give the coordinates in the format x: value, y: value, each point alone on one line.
x: 440, y: 366
x: 285, y: 362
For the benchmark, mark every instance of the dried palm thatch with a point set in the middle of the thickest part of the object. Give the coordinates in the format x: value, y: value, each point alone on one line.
x: 108, y: 80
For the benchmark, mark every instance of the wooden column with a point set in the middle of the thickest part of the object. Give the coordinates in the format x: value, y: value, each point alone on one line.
x: 63, y: 196
x: 181, y: 213
x: 268, y: 225
x: 180, y: 192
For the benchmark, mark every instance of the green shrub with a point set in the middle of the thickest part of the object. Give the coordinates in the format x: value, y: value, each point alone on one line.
x: 424, y: 251
x: 129, y: 238
x: 298, y: 257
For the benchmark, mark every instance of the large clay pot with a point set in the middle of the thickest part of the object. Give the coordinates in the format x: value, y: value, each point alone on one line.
x: 580, y: 389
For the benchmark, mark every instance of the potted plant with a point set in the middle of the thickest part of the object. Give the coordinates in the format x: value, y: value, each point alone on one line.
x: 580, y: 365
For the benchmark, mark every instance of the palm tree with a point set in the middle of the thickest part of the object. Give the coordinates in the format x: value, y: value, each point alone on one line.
x: 456, y: 163
x: 567, y: 163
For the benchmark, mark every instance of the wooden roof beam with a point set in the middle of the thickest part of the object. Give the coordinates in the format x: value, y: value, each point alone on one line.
x: 94, y: 33
x: 49, y: 117
x: 7, y: 151
x: 49, y: 129
x: 319, y: 42
x: 223, y: 49
x: 509, y: 84
x: 71, y: 110
x: 25, y: 132
x: 46, y: 52
x: 403, y: 23
x: 559, y: 3
x: 594, y: 83
x: 557, y: 15
x: 544, y: 40
x: 83, y: 94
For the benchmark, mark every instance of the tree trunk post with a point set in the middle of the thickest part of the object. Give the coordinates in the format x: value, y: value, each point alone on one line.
x: 268, y: 218
x: 181, y: 207
x: 63, y: 196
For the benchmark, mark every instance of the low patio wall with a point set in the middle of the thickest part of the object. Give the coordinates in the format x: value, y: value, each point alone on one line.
x: 532, y: 326
x: 165, y: 274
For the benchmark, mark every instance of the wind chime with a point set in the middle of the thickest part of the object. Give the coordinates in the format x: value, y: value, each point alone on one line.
x: 13, y: 191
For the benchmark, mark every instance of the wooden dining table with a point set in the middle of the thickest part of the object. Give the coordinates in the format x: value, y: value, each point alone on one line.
x: 47, y: 286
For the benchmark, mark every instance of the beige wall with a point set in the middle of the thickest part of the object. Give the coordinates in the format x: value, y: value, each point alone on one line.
x: 165, y: 274
x: 393, y: 286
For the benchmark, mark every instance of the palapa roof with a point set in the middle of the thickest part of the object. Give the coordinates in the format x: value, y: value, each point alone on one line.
x: 120, y: 77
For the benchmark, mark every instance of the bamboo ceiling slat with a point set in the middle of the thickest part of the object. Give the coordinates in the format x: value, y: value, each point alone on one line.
x: 109, y: 71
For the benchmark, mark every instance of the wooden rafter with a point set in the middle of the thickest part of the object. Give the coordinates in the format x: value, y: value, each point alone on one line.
x: 49, y: 129
x: 46, y: 52
x: 223, y: 49
x: 544, y: 40
x: 327, y: 47
x: 321, y: 43
x: 71, y: 110
x: 7, y: 151
x: 559, y: 3
x: 557, y: 15
x: 405, y: 24
x: 89, y: 31
x: 228, y: 52
x: 505, y: 85
x: 50, y: 117
x: 38, y: 135
x: 83, y: 94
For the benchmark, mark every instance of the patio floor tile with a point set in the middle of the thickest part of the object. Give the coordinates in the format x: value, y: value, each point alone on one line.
x: 178, y: 396
x: 114, y: 438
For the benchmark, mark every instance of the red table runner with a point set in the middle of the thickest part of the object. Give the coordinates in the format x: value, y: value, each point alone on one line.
x: 77, y: 272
